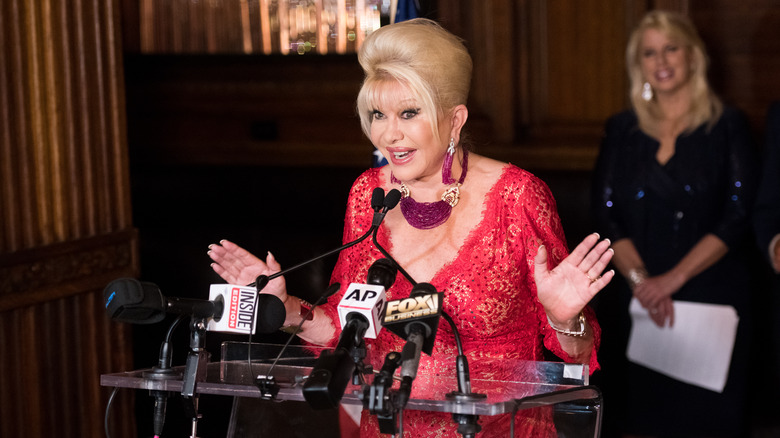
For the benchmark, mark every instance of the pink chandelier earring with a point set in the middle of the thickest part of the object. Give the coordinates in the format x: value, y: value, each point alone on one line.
x: 647, y: 92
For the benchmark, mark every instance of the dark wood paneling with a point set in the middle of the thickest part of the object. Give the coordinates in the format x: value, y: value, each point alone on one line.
x: 546, y: 77
x: 263, y: 110
x: 743, y: 40
x: 65, y: 219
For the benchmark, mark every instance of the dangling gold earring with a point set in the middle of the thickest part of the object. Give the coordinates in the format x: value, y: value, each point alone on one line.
x: 647, y: 92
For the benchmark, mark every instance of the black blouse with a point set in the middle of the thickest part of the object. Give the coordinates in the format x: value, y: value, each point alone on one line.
x: 707, y: 186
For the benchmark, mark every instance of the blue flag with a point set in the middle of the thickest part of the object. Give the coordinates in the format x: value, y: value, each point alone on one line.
x: 406, y: 10
x: 378, y: 159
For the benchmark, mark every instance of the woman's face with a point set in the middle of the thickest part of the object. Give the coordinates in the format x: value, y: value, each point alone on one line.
x: 401, y: 130
x: 665, y: 63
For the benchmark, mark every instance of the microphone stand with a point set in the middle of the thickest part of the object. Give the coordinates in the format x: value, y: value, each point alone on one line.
x: 380, y: 211
x: 379, y: 399
x: 381, y: 204
x: 266, y: 383
x: 468, y: 425
x: 163, y: 371
x: 195, y: 369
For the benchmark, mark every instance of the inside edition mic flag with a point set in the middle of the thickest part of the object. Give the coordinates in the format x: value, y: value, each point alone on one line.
x: 246, y: 311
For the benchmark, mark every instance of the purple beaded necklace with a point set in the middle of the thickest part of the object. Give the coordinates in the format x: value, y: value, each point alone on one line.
x: 427, y: 215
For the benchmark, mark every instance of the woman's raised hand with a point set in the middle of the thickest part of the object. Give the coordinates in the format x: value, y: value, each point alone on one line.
x: 565, y: 290
x: 238, y: 266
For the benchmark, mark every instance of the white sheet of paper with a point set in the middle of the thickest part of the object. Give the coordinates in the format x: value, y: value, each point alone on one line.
x: 696, y: 350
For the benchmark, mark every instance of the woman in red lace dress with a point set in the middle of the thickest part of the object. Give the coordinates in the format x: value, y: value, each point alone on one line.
x: 498, y: 252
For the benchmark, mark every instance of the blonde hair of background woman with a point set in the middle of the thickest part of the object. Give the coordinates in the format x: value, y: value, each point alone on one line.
x: 433, y: 63
x: 706, y: 107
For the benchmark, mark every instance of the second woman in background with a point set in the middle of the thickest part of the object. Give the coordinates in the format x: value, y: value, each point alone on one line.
x: 673, y: 186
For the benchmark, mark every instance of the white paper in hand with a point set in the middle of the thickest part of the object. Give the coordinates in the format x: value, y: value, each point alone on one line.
x: 696, y: 350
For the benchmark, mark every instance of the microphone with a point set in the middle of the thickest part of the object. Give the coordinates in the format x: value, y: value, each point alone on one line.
x: 421, y: 311
x: 136, y: 302
x: 415, y: 319
x: 368, y: 300
x: 246, y: 311
x: 389, y: 202
x: 380, y: 203
x: 360, y: 313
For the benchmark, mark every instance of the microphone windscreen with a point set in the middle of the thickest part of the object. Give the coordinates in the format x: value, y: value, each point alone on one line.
x: 129, y: 300
x: 392, y: 199
x: 382, y: 272
x: 422, y: 289
x: 377, y: 198
x: 270, y: 313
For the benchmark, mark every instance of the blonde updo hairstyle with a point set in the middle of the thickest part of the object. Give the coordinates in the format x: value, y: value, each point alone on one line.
x: 705, y: 105
x: 421, y: 55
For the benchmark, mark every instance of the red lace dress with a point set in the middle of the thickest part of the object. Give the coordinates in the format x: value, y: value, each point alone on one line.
x: 489, y: 292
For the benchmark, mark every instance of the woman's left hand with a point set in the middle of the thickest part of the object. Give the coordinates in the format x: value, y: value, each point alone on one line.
x: 654, y: 290
x: 569, y: 287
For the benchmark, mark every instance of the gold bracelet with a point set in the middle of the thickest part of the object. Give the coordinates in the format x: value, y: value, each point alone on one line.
x: 636, y: 276
x: 578, y: 333
x: 304, y: 311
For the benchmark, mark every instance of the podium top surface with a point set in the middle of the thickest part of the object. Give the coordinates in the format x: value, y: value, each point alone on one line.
x: 529, y: 383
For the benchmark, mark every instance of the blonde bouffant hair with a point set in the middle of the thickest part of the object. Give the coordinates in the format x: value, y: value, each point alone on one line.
x: 706, y: 107
x: 419, y: 54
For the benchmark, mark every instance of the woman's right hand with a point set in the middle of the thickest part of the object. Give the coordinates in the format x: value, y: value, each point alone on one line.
x: 238, y: 266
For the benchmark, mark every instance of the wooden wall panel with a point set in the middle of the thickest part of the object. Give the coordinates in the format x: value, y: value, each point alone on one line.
x: 743, y: 40
x: 582, y: 64
x: 546, y: 76
x: 65, y: 218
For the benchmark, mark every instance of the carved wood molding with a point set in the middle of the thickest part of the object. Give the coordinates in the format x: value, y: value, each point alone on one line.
x: 64, y: 269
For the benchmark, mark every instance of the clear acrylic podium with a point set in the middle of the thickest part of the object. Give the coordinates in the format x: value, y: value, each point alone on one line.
x: 527, y: 385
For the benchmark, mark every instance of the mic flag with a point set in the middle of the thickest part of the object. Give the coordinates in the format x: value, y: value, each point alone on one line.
x: 367, y: 300
x: 423, y: 307
x: 246, y: 311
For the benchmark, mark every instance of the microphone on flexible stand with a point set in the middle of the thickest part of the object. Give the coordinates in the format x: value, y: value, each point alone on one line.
x: 380, y: 203
x: 133, y: 301
x: 415, y: 319
x: 266, y: 383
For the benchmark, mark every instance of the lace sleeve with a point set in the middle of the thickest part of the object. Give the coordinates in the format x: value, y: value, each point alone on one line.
x: 539, y: 223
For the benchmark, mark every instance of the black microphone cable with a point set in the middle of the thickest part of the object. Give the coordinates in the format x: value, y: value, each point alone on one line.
x: 108, y: 411
x: 163, y: 371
